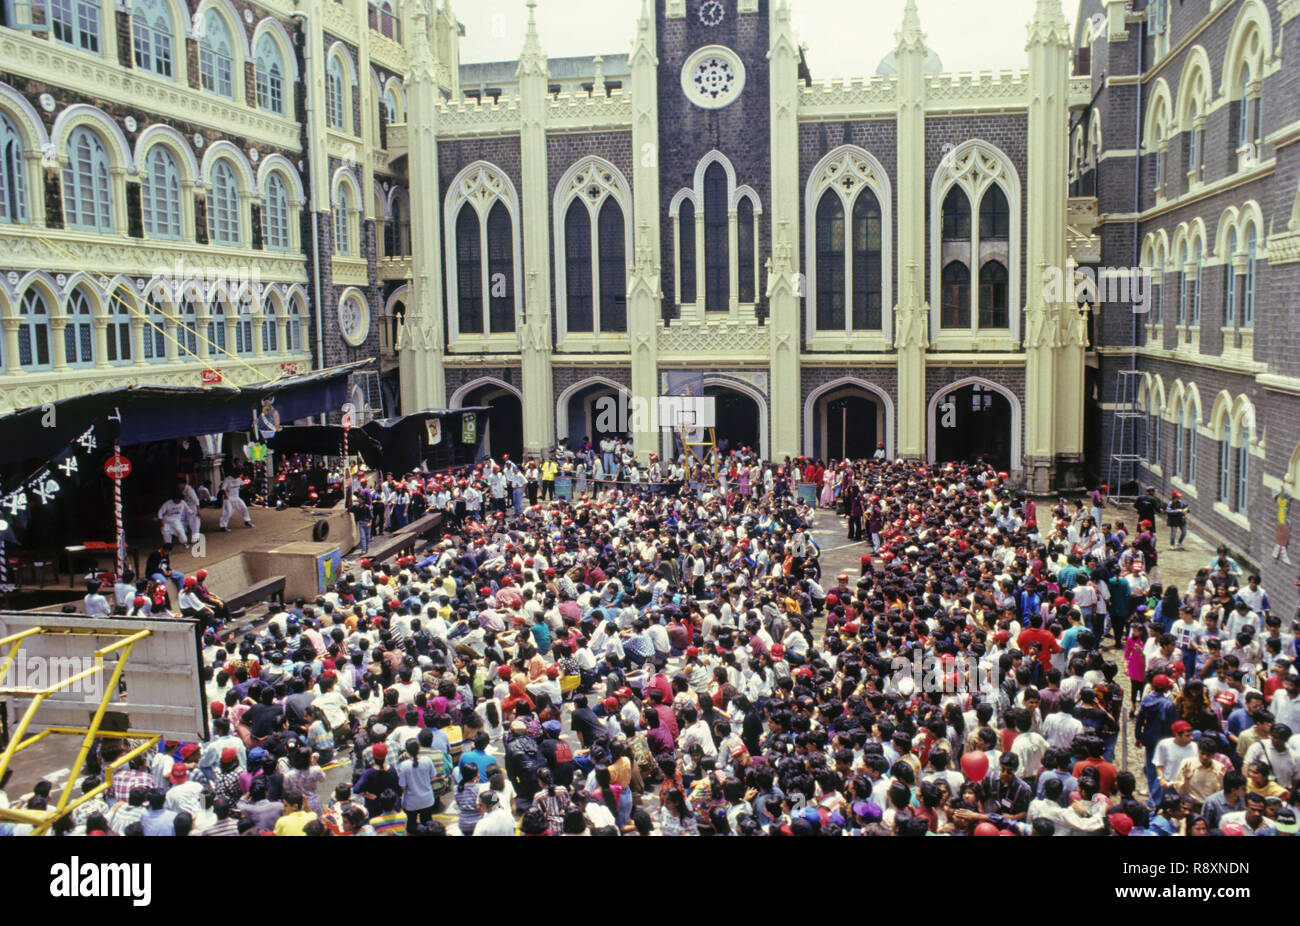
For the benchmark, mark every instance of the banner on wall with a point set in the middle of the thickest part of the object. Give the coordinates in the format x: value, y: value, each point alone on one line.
x: 433, y: 430
x: 39, y: 493
x: 469, y: 428
x: 328, y: 567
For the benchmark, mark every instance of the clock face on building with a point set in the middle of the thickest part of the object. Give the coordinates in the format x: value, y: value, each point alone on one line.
x: 713, y: 77
x: 712, y: 12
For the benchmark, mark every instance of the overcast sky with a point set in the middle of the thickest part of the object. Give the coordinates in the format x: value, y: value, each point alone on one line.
x: 969, y: 36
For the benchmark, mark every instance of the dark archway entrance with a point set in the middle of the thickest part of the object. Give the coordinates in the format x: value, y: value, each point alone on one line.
x: 736, y: 417
x: 847, y: 423
x: 594, y: 411
x: 971, y: 423
x: 504, y: 430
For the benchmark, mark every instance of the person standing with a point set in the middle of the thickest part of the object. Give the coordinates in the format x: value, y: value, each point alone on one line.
x: 191, y: 499
x: 1176, y: 519
x: 417, y: 776
x: 231, y: 503
x: 173, y: 514
x: 549, y: 469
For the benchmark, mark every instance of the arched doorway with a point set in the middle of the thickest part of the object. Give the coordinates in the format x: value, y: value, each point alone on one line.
x: 503, y: 433
x: 737, y: 418
x: 594, y: 410
x: 847, y: 422
x: 972, y: 421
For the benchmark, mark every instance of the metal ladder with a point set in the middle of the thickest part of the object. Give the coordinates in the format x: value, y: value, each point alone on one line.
x: 1121, y: 474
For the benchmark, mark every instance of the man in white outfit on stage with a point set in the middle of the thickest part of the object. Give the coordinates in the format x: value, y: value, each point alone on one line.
x: 173, y: 515
x: 191, y: 500
x: 231, y: 503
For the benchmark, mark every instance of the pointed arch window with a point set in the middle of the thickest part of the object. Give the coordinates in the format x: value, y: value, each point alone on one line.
x: 151, y: 36
x: 469, y: 271
x: 118, y: 339
x: 79, y: 335
x: 155, y: 328
x: 580, y: 315
x: 717, y: 248
x: 270, y: 330
x: 686, y: 289
x: 187, y: 331
x: 293, y: 330
x: 1197, y: 268
x: 244, y: 326
x: 343, y: 221
x: 160, y: 195
x: 217, y: 330
x: 830, y: 262
x: 955, y: 312
x: 1230, y: 282
x: 334, y: 93
x: 269, y: 72
x: 87, y: 193
x: 866, y: 263
x: 500, y: 253
x: 1248, y: 285
x: 612, y: 249
x: 1241, y: 489
x: 746, y: 250
x: 13, y: 174
x: 34, y: 331
x: 216, y: 58
x: 993, y: 296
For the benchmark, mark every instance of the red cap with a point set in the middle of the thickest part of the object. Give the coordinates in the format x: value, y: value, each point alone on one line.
x: 179, y: 773
x: 611, y: 704
x: 552, y: 671
x: 379, y: 751
x: 692, y: 652
x: 201, y: 574
x: 1162, y: 682
x: 1121, y: 823
x: 229, y: 755
x: 190, y: 581
x: 1175, y: 494
x: 189, y: 749
x: 778, y: 650
x: 216, y: 708
x: 504, y: 672
x: 1181, y: 726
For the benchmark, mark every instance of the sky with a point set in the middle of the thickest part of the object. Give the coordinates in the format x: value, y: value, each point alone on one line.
x: 969, y: 35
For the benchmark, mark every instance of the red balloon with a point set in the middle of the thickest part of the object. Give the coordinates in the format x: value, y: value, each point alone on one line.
x: 986, y: 829
x: 975, y: 765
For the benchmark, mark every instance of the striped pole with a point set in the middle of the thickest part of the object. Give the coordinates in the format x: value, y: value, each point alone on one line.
x: 117, y: 515
x: 4, y: 567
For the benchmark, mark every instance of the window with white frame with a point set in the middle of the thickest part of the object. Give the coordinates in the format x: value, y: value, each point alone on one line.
x: 1179, y: 447
x: 76, y: 23
x: 152, y: 29
x: 390, y: 107
x: 275, y: 213
x: 1225, y: 467
x: 592, y: 277
x: 717, y: 245
x: 217, y: 330
x: 244, y: 326
x: 293, y: 328
x: 1241, y: 486
x: 187, y: 330
x: 1184, y: 285
x: 216, y: 58
x: 1198, y: 266
x: 118, y: 340
x: 1158, y: 26
x: 481, y: 256
x: 1230, y: 282
x: 343, y: 243
x: 334, y: 93
x: 1190, y: 436
x: 87, y: 190
x: 160, y: 194
x: 1248, y: 284
x: 270, y: 332
x: 34, y: 331
x: 79, y: 335
x: 269, y: 73
x: 155, y: 330
x: 223, y: 205
x: 13, y: 173
x: 848, y: 242
x: 686, y: 288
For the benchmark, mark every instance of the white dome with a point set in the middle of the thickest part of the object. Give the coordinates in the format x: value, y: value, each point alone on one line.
x: 888, y: 65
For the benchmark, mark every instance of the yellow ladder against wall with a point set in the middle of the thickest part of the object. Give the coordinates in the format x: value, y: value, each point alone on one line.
x: 42, y: 820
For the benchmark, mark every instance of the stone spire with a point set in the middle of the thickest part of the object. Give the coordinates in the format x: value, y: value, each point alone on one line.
x: 598, y: 80
x: 532, y: 61
x: 910, y: 38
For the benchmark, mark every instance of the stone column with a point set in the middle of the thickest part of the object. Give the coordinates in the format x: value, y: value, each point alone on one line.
x: 535, y: 327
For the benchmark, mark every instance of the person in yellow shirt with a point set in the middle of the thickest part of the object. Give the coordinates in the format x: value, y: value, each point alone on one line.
x: 296, y: 815
x: 549, y: 469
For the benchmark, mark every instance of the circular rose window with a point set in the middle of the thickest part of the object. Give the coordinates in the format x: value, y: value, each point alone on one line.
x: 354, y: 319
x: 713, y: 76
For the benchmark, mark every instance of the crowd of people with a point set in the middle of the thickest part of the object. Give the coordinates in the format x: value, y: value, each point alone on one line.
x: 657, y: 656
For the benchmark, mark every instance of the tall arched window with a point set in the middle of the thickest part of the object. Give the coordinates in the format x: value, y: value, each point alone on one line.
x: 334, y: 93
x: 1244, y: 134
x: 686, y: 291
x: 119, y: 330
x: 216, y: 59
x: 1196, y: 284
x: 275, y: 214
x: 993, y: 295
x: 1180, y: 446
x: 1189, y: 435
x: 995, y: 216
x: 1230, y: 282
x: 1184, y: 285
x: 87, y: 194
x: 866, y: 261
x: 1248, y: 302
x: 469, y: 272
x: 155, y: 328
x: 955, y: 311
x: 79, y: 335
x: 293, y: 330
x: 76, y: 23
x: 717, y: 254
x: 390, y: 106
x: 577, y: 268
x: 956, y: 216
x: 399, y: 227
x: 223, y: 205
x: 151, y: 36
x: 830, y: 262
x: 746, y: 244
x: 1241, y: 493
x: 217, y: 330
x: 187, y: 331
x: 34, y: 331
x: 613, y: 267
x: 343, y: 221
x: 501, y: 265
x: 160, y: 195
x: 269, y: 69
x: 13, y: 173
x: 244, y: 326
x: 270, y: 335
x: 1225, y: 466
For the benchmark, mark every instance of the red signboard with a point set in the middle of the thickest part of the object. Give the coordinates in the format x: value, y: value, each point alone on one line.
x: 209, y: 377
x: 117, y: 467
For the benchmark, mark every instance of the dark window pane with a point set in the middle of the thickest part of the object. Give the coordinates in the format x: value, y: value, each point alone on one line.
x: 469, y: 272
x: 717, y: 262
x: 686, y: 251
x: 745, y: 250
x: 866, y: 263
x: 955, y: 312
x: 613, y: 270
x: 995, y: 217
x: 956, y: 215
x: 577, y: 266
x: 993, y: 295
x: 830, y: 263
x: 501, y: 270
